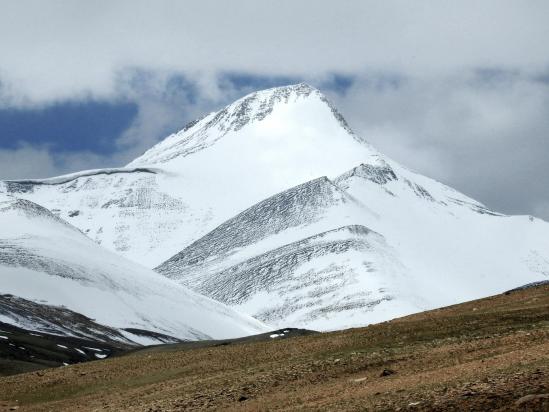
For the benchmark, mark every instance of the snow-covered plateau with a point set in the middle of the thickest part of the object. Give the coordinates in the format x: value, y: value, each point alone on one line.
x: 275, y: 207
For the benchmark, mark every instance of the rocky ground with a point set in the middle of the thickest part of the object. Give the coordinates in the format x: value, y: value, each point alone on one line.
x: 491, y: 354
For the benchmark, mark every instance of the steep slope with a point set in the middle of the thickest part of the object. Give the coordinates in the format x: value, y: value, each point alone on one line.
x: 455, y: 249
x: 56, y: 320
x: 260, y: 262
x: 336, y: 279
x: 45, y: 260
x: 287, y: 216
x: 297, y: 259
x: 60, y: 321
x: 376, y: 246
x: 129, y: 210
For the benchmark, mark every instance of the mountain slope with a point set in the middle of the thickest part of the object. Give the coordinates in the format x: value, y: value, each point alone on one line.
x: 127, y: 210
x: 45, y: 260
x: 306, y: 205
x: 293, y: 260
x: 327, y: 281
x: 455, y: 249
x: 383, y: 247
x: 56, y: 320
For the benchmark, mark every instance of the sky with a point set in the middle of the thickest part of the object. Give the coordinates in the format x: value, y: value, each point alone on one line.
x: 458, y: 91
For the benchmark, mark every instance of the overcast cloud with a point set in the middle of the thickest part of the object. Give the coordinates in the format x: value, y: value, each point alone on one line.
x: 456, y: 90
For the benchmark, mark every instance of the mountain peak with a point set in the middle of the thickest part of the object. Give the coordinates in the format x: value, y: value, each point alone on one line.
x: 299, y: 89
x: 308, y: 104
x: 269, y: 98
x: 258, y: 105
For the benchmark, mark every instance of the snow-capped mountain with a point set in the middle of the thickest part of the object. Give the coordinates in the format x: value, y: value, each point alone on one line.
x: 46, y: 261
x: 274, y: 206
x: 196, y: 179
x: 314, y: 256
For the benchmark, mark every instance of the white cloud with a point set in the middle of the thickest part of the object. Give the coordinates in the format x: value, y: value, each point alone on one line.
x: 66, y: 49
x: 488, y: 137
x: 26, y: 162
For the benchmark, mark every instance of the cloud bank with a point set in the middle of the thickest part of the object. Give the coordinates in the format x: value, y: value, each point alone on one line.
x: 456, y: 90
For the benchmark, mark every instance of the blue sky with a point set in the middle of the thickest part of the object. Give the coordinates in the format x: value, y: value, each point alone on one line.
x: 455, y: 90
x: 68, y: 126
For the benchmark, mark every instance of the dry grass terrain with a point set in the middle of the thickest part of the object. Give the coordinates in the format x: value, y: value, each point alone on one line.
x: 490, y: 354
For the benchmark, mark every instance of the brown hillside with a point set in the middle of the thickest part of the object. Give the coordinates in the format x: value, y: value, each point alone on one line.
x: 490, y: 354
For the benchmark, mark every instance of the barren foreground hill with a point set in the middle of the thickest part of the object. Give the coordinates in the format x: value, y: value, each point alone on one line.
x: 489, y: 354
